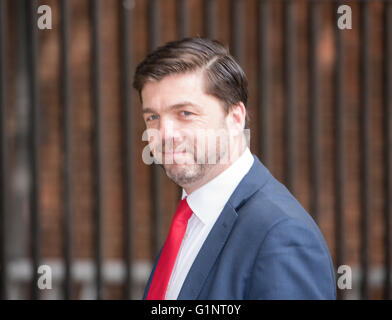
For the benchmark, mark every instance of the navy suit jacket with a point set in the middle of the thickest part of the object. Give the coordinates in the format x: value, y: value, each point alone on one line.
x: 264, y: 245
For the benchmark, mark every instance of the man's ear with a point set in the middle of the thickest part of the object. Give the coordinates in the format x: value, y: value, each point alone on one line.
x: 237, y: 116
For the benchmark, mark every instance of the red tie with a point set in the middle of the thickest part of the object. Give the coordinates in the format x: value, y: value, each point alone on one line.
x: 169, y: 253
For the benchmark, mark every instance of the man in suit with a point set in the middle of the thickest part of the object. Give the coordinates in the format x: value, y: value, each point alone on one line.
x: 237, y: 233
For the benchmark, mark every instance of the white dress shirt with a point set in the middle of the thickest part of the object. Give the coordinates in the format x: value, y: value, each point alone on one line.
x: 206, y: 203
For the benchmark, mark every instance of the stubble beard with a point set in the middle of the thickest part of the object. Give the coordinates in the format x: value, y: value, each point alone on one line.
x: 184, y: 175
x: 188, y: 174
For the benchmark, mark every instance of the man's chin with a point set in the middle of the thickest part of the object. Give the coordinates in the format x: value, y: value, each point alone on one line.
x: 177, y: 169
x: 183, y: 174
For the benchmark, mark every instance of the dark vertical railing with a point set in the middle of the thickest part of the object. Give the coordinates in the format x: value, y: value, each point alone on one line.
x: 96, y: 102
x: 314, y: 101
x: 365, y: 139
x: 210, y: 18
x: 182, y: 31
x: 33, y: 98
x: 289, y: 56
x: 157, y: 218
x: 237, y: 25
x: 67, y: 169
x: 264, y: 80
x: 3, y: 148
x: 339, y: 144
x: 182, y: 18
x: 387, y: 80
x: 128, y: 146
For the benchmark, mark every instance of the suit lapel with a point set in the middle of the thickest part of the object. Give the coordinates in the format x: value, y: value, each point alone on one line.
x: 208, y: 254
x: 151, y: 275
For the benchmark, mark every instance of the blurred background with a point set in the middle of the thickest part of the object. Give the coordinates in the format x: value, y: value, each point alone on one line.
x: 74, y: 192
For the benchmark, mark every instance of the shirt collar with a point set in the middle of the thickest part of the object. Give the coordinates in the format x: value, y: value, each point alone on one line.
x: 208, y: 201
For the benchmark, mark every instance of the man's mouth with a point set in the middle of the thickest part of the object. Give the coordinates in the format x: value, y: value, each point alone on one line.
x: 175, y: 157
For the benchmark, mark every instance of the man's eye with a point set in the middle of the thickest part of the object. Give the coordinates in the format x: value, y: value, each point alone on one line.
x: 151, y: 118
x: 186, y: 113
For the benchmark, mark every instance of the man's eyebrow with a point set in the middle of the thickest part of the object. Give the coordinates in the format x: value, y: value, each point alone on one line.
x: 147, y: 110
x: 174, y: 106
x: 183, y: 104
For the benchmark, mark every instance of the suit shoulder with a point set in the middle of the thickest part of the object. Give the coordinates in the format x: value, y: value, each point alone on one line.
x: 271, y: 205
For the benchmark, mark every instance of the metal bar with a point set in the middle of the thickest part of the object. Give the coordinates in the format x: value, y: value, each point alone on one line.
x: 264, y: 79
x: 183, y: 30
x: 289, y: 88
x: 237, y: 29
x: 315, y: 117
x: 156, y: 176
x: 388, y: 143
x: 365, y: 139
x: 154, y: 23
x: 3, y: 149
x: 67, y: 169
x: 339, y: 152
x: 182, y: 18
x: 210, y: 18
x: 32, y: 62
x: 96, y: 102
x: 128, y: 147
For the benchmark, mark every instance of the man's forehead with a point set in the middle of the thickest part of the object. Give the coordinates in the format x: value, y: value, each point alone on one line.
x: 173, y: 91
x: 176, y: 83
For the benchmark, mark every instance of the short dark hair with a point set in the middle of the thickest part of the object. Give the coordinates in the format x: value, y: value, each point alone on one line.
x: 224, y: 77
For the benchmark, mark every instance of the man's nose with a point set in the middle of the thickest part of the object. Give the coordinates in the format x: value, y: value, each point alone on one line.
x: 167, y: 129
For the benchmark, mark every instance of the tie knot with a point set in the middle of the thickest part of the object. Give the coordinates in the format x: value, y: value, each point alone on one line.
x: 183, y: 212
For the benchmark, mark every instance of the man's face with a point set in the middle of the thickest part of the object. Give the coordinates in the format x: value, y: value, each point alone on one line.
x: 184, y: 116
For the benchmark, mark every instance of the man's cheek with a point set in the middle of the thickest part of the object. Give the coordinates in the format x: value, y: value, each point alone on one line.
x: 155, y: 141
